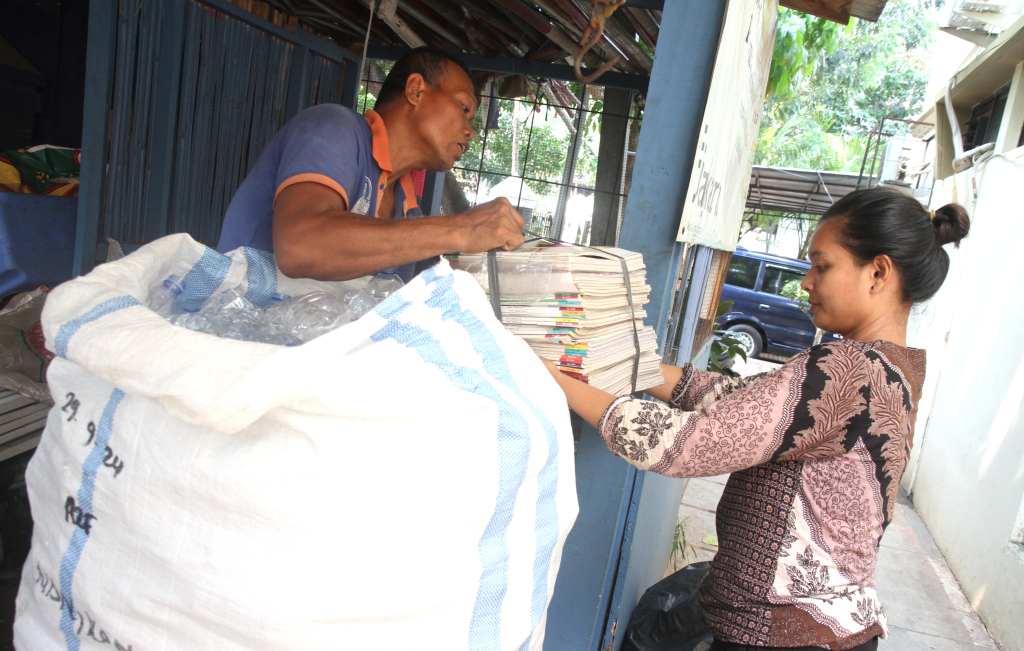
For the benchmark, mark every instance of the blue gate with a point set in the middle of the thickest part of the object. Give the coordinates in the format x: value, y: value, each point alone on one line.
x: 181, y: 97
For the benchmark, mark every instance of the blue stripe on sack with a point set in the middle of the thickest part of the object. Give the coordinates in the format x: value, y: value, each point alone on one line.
x: 261, y: 276
x: 546, y: 527
x: 73, y: 554
x: 68, y: 330
x: 203, y: 279
x: 513, y: 454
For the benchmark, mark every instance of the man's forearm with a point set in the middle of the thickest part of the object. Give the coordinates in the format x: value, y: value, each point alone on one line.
x: 339, y: 245
x: 316, y: 237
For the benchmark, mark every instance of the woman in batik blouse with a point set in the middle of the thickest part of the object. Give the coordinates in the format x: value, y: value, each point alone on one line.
x: 815, y: 448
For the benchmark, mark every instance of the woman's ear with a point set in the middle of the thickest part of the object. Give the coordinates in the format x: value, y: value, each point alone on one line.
x: 883, y: 272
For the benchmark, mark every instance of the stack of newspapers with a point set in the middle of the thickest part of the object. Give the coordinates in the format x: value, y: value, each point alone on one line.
x: 571, y: 305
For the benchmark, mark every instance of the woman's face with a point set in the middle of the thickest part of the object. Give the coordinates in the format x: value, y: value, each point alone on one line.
x: 838, y: 285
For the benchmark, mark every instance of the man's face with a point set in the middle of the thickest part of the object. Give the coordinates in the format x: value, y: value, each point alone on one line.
x: 444, y: 118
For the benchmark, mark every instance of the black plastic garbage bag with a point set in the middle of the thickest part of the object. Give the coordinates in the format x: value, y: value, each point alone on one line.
x: 668, y: 615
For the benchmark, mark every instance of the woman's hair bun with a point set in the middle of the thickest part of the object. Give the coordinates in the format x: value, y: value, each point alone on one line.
x: 951, y: 223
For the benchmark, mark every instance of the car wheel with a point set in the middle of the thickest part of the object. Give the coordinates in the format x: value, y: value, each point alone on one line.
x: 749, y: 338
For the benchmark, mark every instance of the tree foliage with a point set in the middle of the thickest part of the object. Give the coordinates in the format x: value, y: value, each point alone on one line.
x: 805, y: 141
x: 801, y: 40
x: 879, y: 70
x: 829, y: 86
x: 833, y: 84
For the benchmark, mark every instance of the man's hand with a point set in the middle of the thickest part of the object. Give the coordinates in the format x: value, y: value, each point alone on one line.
x: 491, y: 225
x: 316, y: 237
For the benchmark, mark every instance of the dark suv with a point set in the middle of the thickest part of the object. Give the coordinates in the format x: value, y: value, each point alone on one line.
x: 761, y: 317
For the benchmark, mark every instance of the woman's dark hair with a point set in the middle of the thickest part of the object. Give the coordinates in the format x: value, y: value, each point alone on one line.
x: 883, y: 221
x: 431, y: 62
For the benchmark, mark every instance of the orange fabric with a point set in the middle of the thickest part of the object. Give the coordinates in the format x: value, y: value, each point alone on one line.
x: 381, y: 146
x: 314, y: 178
x: 410, y: 193
x: 382, y: 154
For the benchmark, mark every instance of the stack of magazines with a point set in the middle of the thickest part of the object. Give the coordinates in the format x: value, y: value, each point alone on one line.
x: 571, y: 304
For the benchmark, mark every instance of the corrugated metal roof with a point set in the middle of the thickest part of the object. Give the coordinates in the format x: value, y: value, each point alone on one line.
x: 536, y: 30
x: 808, y: 192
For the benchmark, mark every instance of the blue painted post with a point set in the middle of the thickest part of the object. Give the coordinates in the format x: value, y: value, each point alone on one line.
x: 99, y: 73
x: 622, y: 537
x: 674, y: 111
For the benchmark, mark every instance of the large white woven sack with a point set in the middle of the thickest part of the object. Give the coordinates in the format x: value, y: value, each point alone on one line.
x: 405, y: 481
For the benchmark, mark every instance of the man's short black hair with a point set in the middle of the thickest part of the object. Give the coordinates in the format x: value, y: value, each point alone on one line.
x: 430, y: 62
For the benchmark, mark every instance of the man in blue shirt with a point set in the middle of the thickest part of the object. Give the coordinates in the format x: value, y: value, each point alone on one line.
x: 330, y: 195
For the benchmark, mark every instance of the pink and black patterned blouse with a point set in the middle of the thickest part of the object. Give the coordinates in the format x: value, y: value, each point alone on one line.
x: 816, y: 449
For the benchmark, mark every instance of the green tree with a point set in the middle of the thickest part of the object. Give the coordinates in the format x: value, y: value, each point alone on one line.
x: 879, y: 70
x: 804, y: 140
x: 866, y: 72
x: 830, y: 85
x: 801, y: 40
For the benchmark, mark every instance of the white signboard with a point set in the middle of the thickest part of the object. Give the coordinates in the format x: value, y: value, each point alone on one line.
x: 717, y: 193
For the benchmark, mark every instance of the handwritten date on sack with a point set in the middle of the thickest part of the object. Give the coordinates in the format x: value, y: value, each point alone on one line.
x: 110, y: 460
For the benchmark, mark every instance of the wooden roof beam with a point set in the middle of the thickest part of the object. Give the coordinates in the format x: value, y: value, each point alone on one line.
x: 838, y: 11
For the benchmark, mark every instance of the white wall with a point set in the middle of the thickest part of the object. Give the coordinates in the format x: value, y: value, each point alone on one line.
x: 968, y: 482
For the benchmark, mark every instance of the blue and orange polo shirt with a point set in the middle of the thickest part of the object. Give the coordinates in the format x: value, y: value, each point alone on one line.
x: 327, y: 144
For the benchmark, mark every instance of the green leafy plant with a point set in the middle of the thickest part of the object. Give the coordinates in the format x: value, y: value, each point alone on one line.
x: 679, y: 545
x: 794, y: 292
x: 723, y: 346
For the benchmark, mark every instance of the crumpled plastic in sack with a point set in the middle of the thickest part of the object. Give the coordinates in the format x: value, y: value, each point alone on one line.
x: 23, y: 353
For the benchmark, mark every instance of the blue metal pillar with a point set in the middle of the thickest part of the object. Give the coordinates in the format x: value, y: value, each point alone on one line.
x: 99, y: 82
x: 622, y: 537
x: 674, y: 111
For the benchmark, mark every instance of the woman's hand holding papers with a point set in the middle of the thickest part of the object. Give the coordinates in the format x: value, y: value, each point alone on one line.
x: 591, y: 403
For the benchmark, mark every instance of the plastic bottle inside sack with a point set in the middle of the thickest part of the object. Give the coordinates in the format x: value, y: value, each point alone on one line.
x: 162, y: 298
x: 384, y: 284
x: 306, y: 317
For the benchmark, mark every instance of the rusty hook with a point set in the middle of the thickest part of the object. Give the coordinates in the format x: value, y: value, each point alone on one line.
x: 600, y: 10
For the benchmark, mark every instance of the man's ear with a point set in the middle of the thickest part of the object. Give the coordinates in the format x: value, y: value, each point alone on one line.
x: 414, y: 87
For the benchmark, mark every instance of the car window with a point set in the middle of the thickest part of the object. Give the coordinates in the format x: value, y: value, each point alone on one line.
x: 743, y: 272
x: 775, y: 278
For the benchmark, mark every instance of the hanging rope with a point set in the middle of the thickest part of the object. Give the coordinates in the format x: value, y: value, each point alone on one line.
x: 600, y: 11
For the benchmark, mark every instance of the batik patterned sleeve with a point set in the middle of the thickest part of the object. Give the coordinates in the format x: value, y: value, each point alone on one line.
x: 697, y: 389
x: 733, y: 425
